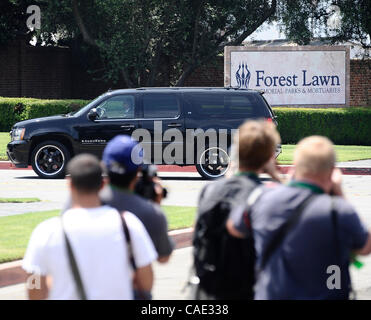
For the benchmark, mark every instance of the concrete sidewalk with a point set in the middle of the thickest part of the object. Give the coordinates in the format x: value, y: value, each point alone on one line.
x: 355, y: 164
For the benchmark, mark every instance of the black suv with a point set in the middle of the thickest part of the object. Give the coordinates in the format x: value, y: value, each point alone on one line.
x: 159, y: 113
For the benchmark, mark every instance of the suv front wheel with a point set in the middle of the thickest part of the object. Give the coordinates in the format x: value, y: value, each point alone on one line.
x: 49, y: 159
x: 213, y: 163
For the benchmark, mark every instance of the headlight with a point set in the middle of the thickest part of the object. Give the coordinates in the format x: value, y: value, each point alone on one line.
x: 18, y: 134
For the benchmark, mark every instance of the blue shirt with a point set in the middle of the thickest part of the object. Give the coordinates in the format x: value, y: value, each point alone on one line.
x: 298, y: 268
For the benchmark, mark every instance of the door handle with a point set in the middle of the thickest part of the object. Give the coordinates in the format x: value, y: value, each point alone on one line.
x: 128, y: 126
x: 174, y: 125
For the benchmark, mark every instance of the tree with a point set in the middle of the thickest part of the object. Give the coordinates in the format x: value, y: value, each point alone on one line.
x: 153, y: 42
x: 160, y: 43
x: 355, y: 22
x: 13, y: 20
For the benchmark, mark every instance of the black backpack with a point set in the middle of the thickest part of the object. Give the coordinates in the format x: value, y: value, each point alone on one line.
x: 223, y: 264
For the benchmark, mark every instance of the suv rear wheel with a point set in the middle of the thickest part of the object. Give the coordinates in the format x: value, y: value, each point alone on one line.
x: 49, y: 159
x: 213, y: 163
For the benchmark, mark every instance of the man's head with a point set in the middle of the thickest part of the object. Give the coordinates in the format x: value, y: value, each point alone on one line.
x: 314, y: 159
x: 86, y: 174
x: 257, y: 142
x: 127, y: 106
x: 122, y: 157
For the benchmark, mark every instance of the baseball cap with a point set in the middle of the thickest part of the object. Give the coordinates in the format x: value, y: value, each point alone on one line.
x: 123, y: 155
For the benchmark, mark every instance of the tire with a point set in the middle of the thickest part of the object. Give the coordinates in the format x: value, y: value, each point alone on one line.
x: 212, y: 171
x: 49, y: 160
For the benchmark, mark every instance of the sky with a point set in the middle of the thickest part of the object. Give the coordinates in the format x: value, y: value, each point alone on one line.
x: 268, y: 31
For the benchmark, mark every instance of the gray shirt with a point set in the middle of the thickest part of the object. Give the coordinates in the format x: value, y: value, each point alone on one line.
x: 298, y: 268
x: 148, y: 212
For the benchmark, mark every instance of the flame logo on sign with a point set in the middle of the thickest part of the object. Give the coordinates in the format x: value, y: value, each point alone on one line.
x: 243, y: 75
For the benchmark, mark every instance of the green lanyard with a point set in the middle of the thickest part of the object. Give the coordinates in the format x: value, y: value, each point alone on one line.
x: 126, y: 190
x: 250, y: 174
x: 307, y: 185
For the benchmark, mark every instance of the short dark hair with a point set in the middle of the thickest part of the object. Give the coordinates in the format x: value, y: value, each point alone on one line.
x: 86, y: 173
x: 122, y: 180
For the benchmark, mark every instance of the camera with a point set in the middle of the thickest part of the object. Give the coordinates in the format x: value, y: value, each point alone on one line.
x: 145, y: 187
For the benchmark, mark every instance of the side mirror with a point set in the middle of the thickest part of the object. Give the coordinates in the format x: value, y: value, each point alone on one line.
x: 93, y: 114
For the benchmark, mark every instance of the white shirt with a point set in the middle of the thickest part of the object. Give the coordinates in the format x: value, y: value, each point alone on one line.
x: 99, y: 246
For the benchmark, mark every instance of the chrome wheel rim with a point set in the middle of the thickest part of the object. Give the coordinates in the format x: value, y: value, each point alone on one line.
x: 49, y: 160
x: 214, y: 162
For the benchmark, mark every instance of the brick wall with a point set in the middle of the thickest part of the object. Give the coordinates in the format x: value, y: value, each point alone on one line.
x: 360, y: 82
x: 211, y: 75
x: 10, y: 86
x: 48, y: 72
x: 27, y: 71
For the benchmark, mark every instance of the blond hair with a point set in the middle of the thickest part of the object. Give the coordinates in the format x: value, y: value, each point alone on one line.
x: 257, y: 142
x: 314, y: 156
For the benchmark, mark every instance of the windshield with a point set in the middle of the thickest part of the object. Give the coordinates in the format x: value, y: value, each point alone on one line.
x: 87, y: 107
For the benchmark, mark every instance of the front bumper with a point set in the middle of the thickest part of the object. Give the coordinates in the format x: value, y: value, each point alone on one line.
x: 18, y: 153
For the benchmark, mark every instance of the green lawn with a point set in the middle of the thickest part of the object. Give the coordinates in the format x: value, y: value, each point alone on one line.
x: 4, y: 140
x: 344, y: 153
x: 15, y: 231
x: 19, y: 200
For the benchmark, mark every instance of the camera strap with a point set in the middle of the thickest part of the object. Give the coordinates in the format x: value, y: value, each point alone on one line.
x: 73, y: 265
x: 128, y: 241
x: 138, y: 292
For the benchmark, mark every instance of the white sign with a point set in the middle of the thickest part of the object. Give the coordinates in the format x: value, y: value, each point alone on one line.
x: 292, y: 75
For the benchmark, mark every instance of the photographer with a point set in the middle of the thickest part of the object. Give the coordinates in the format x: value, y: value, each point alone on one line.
x: 149, y: 185
x: 124, y: 176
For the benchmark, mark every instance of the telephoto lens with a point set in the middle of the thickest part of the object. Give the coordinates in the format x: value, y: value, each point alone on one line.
x: 146, y: 184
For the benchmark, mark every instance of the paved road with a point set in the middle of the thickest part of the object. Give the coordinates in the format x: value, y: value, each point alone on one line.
x: 184, y: 189
x: 355, y: 164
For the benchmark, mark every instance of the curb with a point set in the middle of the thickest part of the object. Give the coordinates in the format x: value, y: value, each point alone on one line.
x: 7, y: 165
x: 284, y: 169
x: 356, y: 171
x: 11, y: 273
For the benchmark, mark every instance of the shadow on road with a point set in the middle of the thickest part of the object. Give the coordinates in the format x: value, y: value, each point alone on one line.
x: 182, y: 178
x: 161, y: 177
x: 200, y: 179
x: 36, y: 178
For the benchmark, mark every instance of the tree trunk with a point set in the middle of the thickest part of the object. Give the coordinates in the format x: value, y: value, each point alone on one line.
x: 127, y: 80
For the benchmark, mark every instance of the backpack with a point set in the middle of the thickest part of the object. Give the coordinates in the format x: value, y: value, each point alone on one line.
x: 224, y: 264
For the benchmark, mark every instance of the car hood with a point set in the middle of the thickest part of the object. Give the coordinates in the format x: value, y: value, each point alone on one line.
x: 43, y: 119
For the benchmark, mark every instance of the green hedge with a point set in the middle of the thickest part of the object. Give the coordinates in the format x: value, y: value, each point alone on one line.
x: 13, y: 110
x: 345, y: 126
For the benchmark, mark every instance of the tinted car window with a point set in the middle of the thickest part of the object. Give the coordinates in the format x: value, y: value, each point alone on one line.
x: 160, y: 106
x: 219, y: 105
x: 206, y: 104
x: 248, y: 105
x: 117, y: 107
